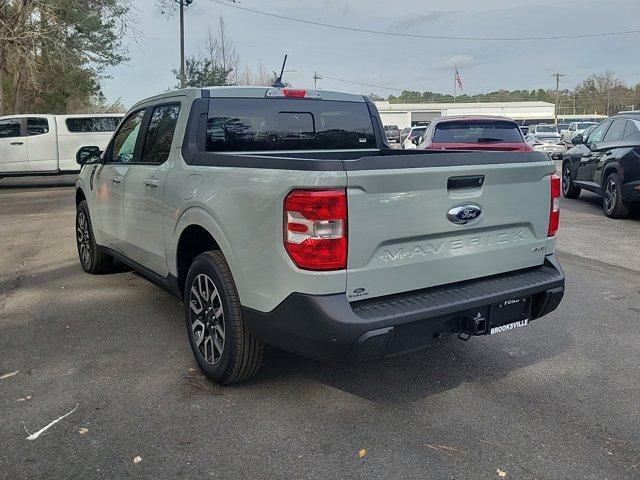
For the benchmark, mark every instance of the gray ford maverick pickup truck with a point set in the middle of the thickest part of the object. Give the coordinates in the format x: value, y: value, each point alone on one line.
x: 283, y: 217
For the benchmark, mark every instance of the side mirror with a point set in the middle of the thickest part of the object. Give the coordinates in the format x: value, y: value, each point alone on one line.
x: 89, y: 154
x: 578, y: 139
x: 416, y: 140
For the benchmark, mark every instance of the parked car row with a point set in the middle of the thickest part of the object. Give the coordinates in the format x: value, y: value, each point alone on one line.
x: 604, y: 158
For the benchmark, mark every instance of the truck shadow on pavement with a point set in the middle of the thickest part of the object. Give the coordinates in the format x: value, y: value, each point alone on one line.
x: 445, y: 365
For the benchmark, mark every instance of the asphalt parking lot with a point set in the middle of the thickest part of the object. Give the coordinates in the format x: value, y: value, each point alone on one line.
x: 556, y: 400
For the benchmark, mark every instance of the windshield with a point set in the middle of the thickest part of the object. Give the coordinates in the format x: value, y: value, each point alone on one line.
x: 582, y: 126
x: 391, y: 127
x: 546, y: 129
x: 248, y: 124
x: 477, y: 132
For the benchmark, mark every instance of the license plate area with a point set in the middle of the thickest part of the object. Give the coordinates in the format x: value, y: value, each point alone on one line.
x: 509, y: 314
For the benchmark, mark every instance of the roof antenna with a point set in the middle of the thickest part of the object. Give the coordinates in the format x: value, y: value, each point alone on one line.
x: 278, y: 83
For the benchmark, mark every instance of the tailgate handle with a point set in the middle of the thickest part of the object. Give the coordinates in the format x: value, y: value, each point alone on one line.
x: 468, y: 181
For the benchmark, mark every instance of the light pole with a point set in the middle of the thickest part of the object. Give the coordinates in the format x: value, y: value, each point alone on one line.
x: 316, y: 77
x: 183, y: 78
x: 557, y: 75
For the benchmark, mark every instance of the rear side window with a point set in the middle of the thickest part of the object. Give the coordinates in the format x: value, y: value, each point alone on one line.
x: 616, y: 131
x: 10, y: 128
x: 157, y: 143
x: 249, y: 124
x: 37, y: 126
x: 92, y: 124
x: 477, y: 132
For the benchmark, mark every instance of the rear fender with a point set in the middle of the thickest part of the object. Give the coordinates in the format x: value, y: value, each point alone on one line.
x: 203, y: 218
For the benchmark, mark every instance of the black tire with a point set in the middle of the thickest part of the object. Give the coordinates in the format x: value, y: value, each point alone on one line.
x: 612, y: 203
x: 215, y: 324
x: 569, y: 190
x: 93, y: 258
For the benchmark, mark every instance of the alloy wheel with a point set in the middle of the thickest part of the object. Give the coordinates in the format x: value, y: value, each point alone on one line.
x: 566, y: 179
x: 84, y: 244
x: 207, y: 318
x: 610, y: 195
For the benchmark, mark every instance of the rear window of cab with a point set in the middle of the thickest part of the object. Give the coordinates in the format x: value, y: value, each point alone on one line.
x: 249, y: 124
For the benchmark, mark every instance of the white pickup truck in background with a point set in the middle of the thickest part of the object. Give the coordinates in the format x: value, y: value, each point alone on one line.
x: 47, y: 144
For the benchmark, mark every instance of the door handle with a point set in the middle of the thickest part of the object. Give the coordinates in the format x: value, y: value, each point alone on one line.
x: 17, y: 143
x: 151, y: 182
x: 116, y: 179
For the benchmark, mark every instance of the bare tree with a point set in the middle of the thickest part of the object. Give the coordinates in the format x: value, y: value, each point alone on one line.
x: 222, y: 52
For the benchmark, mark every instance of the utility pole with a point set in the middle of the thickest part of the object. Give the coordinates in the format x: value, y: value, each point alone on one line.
x: 557, y: 75
x: 183, y: 78
x: 316, y: 77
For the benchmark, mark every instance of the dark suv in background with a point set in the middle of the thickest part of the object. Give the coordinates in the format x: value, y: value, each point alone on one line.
x: 606, y: 162
x: 392, y: 132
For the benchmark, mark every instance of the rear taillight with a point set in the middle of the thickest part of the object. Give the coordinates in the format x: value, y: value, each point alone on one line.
x: 554, y: 214
x: 315, y: 229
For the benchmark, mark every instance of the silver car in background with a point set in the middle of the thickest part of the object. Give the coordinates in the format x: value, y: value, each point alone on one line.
x: 545, y: 138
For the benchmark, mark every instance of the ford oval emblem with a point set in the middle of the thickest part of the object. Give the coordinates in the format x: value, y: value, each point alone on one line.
x: 463, y: 214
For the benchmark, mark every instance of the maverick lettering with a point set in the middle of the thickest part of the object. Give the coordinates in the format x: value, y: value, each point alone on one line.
x: 453, y: 244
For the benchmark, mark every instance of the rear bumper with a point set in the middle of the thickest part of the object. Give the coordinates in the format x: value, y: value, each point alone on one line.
x: 329, y: 328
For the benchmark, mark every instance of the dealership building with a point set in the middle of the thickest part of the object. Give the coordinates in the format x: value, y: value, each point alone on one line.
x: 411, y: 114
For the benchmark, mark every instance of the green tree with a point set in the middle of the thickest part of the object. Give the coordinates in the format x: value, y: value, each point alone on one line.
x: 53, y: 53
x: 202, y: 72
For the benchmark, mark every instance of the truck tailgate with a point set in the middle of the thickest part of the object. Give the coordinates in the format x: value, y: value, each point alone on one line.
x: 400, y: 238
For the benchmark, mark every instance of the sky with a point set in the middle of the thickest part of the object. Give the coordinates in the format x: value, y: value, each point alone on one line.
x: 391, y: 61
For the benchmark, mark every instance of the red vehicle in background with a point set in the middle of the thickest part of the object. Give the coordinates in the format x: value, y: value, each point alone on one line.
x: 474, y: 133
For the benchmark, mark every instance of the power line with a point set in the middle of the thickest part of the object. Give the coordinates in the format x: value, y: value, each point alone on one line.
x: 417, y: 35
x: 365, y: 84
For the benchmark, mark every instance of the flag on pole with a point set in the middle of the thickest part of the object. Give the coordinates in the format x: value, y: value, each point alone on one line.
x: 458, y: 79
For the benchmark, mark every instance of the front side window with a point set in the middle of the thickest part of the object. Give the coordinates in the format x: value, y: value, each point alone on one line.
x: 616, y: 131
x: 92, y: 124
x: 477, y: 132
x: 124, y: 143
x: 10, y: 128
x: 239, y: 124
x: 598, y: 134
x: 37, y: 126
x: 157, y: 143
